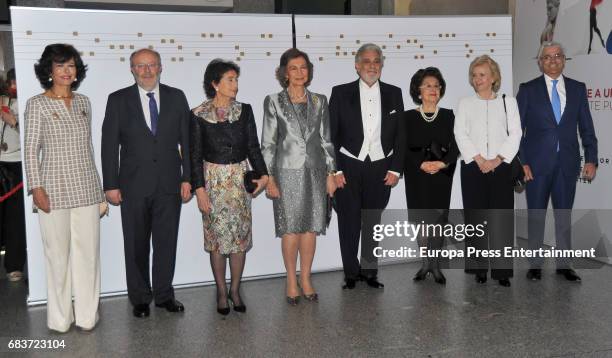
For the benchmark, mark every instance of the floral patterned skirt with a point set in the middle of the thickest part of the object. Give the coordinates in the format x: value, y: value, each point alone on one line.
x: 227, y: 229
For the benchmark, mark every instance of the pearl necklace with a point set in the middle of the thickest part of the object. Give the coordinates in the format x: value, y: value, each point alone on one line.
x: 425, y: 117
x: 295, y: 98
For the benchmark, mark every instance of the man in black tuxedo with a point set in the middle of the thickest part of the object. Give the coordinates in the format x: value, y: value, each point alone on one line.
x: 145, y: 165
x: 364, y: 134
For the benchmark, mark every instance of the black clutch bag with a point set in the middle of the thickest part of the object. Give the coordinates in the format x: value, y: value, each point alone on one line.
x: 249, y: 176
x: 435, y: 152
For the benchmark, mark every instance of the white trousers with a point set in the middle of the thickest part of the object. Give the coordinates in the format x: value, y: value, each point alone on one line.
x: 71, y: 239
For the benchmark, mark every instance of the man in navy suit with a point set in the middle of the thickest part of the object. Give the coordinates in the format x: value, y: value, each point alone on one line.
x: 553, y: 109
x: 364, y: 133
x: 146, y: 170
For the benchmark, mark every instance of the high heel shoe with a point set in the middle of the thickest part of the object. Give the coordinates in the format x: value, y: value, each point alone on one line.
x: 438, y: 276
x: 223, y: 311
x: 293, y: 301
x: 481, y: 277
x: 421, y: 274
x: 313, y: 297
x: 238, y: 308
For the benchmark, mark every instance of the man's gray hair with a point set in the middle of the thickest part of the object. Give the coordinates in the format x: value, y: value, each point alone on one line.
x: 547, y: 44
x: 145, y: 50
x: 369, y: 47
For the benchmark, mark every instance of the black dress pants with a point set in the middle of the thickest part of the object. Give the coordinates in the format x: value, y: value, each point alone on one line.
x: 359, y: 206
x: 12, y: 225
x: 489, y: 198
x: 150, y: 219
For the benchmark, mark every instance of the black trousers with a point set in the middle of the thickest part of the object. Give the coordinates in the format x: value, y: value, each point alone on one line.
x: 12, y: 225
x: 359, y: 206
x: 489, y: 198
x: 150, y: 219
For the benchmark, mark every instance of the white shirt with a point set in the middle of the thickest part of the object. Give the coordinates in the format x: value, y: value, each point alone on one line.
x: 560, y: 90
x: 370, y: 117
x: 480, y: 128
x: 144, y: 99
x: 369, y: 98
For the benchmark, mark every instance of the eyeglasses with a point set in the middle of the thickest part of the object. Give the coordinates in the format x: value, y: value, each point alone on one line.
x: 556, y: 57
x: 142, y: 66
x: 430, y: 87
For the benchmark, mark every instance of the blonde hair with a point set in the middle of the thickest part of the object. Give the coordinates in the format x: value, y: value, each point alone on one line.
x: 493, y: 66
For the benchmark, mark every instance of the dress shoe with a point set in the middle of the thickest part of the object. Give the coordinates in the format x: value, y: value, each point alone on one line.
x: 481, y: 277
x: 293, y: 301
x: 349, y: 283
x: 141, y: 310
x: 534, y: 274
x: 421, y: 274
x: 374, y: 283
x: 569, y: 274
x: 438, y: 276
x: 504, y: 282
x: 238, y: 308
x: 171, y: 305
x: 313, y: 297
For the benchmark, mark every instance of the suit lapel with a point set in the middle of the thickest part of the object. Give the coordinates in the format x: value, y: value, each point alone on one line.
x: 385, y: 106
x: 136, y: 104
x: 569, y: 96
x: 546, y: 100
x: 355, y: 104
x: 163, y: 103
x: 289, y: 112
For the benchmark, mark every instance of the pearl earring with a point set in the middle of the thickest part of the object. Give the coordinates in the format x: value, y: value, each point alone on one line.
x: 50, y: 79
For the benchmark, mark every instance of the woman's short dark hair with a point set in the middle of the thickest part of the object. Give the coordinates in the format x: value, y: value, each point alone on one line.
x: 281, y: 70
x: 10, y: 76
x: 417, y: 81
x: 214, y: 72
x: 59, y: 53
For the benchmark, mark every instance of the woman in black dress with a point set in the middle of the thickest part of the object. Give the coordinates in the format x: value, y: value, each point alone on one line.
x: 428, y: 145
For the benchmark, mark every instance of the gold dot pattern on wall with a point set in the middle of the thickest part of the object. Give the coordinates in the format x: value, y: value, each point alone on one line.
x: 203, y: 35
x: 197, y: 53
x: 75, y: 33
x: 321, y: 58
x: 29, y: 33
x: 140, y: 34
x: 97, y: 40
x: 390, y: 36
x: 307, y: 36
x: 121, y: 47
x: 237, y: 58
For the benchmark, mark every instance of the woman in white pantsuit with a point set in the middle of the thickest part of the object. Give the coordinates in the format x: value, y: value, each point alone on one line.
x: 63, y: 180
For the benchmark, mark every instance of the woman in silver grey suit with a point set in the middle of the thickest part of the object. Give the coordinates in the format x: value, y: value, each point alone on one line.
x: 297, y: 148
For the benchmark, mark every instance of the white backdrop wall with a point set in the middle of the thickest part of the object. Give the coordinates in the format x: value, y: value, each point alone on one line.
x: 186, y: 42
x: 572, y: 30
x: 189, y: 41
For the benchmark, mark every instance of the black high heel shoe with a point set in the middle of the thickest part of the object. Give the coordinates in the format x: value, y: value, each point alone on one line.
x: 481, y: 277
x: 223, y: 311
x: 238, y: 308
x: 438, y: 276
x: 421, y: 274
x: 293, y: 301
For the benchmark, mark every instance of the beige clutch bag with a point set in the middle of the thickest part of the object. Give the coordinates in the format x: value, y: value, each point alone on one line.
x: 103, y: 209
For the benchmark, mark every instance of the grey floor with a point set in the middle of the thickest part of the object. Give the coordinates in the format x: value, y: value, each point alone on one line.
x: 551, y: 318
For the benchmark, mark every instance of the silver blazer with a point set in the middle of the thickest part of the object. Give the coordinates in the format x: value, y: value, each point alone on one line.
x: 282, y: 144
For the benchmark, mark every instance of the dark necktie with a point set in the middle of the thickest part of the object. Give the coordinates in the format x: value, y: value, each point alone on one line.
x: 153, y: 111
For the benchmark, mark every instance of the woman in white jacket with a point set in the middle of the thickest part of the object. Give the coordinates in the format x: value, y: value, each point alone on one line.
x: 488, y: 134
